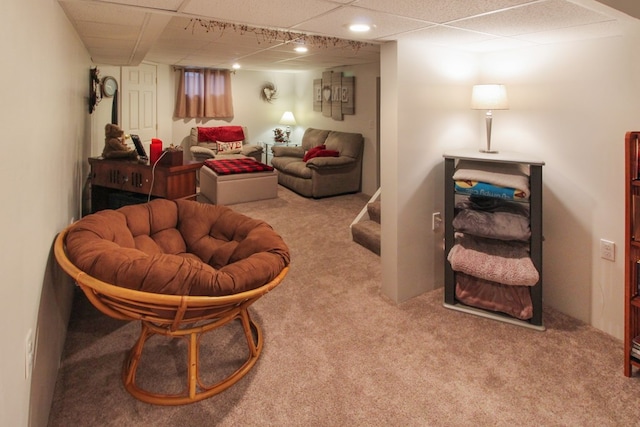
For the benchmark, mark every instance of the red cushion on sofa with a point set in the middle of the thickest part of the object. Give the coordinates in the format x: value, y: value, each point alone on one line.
x: 327, y: 153
x: 312, y: 152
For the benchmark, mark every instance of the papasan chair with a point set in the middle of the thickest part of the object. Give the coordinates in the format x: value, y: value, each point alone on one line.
x: 182, y: 268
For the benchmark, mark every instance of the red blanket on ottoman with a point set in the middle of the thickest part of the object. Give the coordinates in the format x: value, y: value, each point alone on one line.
x: 231, y: 166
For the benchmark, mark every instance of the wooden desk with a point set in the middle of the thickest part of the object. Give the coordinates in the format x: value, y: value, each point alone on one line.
x: 111, y: 178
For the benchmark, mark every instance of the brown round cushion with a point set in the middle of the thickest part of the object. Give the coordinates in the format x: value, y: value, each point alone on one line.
x: 177, y: 247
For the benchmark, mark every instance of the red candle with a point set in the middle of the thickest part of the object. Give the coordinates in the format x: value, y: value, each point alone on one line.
x: 156, y: 150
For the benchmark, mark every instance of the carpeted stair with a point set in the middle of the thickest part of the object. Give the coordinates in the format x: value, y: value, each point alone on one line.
x: 367, y: 231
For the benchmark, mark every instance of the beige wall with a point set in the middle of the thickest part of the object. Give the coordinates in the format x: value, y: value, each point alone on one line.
x: 571, y: 104
x: 45, y: 122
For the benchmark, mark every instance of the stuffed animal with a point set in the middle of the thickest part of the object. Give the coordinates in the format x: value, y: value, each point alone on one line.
x: 114, y: 146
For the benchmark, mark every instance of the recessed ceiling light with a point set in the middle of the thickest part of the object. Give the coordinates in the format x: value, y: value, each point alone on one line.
x: 359, y: 28
x: 301, y: 49
x: 236, y: 66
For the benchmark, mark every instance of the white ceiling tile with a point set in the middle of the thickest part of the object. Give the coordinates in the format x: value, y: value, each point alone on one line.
x: 336, y: 24
x: 533, y: 18
x: 275, y: 14
x: 125, y: 32
x: 445, y: 36
x: 167, y: 5
x: 439, y: 11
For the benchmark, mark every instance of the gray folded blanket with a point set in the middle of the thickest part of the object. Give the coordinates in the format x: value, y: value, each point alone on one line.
x: 498, y: 261
x: 494, y: 225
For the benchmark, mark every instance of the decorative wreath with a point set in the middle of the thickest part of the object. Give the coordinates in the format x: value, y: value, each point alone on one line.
x: 95, y: 92
x: 268, y: 92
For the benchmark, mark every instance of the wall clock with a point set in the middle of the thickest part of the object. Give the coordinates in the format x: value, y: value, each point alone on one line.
x: 109, y: 86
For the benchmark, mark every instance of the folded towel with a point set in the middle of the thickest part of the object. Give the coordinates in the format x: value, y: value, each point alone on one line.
x: 508, y: 175
x: 498, y: 261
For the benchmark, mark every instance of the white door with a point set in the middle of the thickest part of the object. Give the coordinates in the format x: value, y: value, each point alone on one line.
x: 139, y: 103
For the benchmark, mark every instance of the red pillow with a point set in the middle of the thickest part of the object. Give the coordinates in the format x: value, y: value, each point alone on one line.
x: 326, y: 153
x: 312, y: 152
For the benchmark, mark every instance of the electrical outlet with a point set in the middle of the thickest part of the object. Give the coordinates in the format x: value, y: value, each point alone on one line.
x: 436, y: 220
x: 29, y: 351
x: 607, y: 250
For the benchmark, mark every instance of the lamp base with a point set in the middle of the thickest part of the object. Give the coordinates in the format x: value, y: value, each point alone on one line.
x: 489, y: 151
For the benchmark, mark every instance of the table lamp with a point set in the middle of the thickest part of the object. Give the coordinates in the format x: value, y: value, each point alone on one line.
x: 489, y: 97
x: 288, y: 120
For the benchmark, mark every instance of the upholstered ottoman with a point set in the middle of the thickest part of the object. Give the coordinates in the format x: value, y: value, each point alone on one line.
x: 225, y: 182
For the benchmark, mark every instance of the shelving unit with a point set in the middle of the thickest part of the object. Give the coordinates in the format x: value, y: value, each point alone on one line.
x: 535, y: 223
x: 632, y: 251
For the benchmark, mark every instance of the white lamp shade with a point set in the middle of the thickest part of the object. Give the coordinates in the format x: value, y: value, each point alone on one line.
x: 489, y: 97
x: 288, y: 119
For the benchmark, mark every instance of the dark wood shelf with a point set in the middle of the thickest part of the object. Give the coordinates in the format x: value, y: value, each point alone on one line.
x: 131, y: 181
x: 535, y: 242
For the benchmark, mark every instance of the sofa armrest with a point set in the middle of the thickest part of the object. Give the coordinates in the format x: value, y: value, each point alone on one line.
x: 288, y: 151
x: 330, y: 162
x: 202, y: 152
x: 250, y: 149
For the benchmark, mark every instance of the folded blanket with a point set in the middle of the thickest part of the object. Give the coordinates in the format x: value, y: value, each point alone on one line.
x: 498, y: 261
x: 508, y: 175
x: 489, y: 190
x: 233, y: 166
x: 512, y: 300
x: 491, y: 204
x: 494, y: 225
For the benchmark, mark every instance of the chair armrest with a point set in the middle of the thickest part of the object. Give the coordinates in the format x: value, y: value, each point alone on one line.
x: 201, y: 151
x: 288, y: 151
x: 250, y: 149
x: 329, y: 162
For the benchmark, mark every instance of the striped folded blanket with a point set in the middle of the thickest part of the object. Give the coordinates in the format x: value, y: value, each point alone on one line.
x: 232, y: 166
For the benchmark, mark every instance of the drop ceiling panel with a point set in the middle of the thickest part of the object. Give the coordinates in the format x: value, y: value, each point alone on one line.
x: 276, y: 14
x: 448, y: 36
x: 533, y: 18
x: 439, y: 11
x: 168, y: 5
x: 336, y: 24
x: 125, y: 32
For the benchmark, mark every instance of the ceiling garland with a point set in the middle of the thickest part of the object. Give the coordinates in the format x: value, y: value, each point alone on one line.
x: 271, y: 36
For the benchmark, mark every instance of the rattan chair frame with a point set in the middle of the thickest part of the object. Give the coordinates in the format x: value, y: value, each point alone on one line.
x: 174, y: 316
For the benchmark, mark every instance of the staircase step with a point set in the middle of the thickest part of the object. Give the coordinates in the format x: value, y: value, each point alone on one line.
x: 367, y: 233
x: 374, y: 209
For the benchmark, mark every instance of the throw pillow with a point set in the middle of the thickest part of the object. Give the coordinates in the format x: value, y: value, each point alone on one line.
x: 228, y: 146
x: 327, y: 153
x: 312, y: 152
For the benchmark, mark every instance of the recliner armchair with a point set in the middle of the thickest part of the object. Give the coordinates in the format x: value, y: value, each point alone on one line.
x: 203, y: 143
x: 336, y: 170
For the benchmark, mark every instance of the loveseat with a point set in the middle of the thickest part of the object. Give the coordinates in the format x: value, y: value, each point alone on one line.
x: 327, y: 163
x: 221, y: 142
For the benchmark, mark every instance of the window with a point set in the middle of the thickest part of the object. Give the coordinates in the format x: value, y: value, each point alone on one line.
x: 203, y: 93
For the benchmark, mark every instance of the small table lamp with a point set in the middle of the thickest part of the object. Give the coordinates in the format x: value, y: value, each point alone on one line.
x: 288, y: 120
x: 489, y: 97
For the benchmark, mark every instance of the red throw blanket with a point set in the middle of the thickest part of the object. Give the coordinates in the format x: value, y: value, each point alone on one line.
x: 220, y: 133
x: 231, y: 166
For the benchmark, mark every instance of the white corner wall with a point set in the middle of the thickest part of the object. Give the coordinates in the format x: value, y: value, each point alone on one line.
x: 571, y: 104
x: 44, y: 117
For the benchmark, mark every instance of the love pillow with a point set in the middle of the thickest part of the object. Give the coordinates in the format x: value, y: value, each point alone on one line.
x: 228, y: 146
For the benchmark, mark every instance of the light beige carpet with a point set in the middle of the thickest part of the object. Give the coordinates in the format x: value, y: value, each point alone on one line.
x: 337, y: 353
